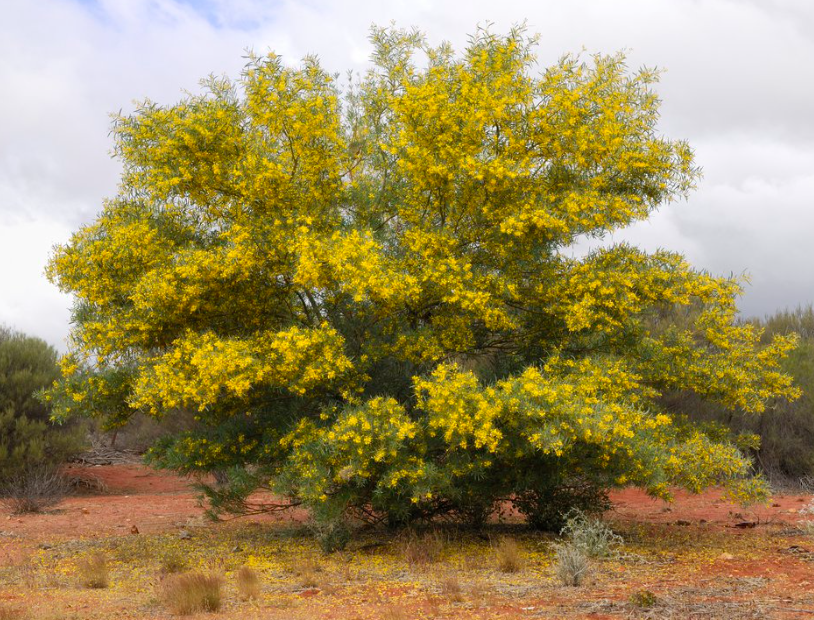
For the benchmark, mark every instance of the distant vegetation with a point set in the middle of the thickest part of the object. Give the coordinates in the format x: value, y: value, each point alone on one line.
x: 31, y: 446
x: 786, y: 429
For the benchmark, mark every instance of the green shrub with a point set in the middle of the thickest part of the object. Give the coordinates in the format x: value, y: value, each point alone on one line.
x: 29, y: 442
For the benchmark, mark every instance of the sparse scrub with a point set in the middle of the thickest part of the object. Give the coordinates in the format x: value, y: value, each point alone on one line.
x: 332, y: 536
x: 572, y: 564
x: 192, y: 593
x: 591, y: 534
x: 451, y: 588
x: 509, y: 556
x: 248, y: 583
x: 172, y: 562
x: 643, y: 599
x: 33, y: 490
x: 308, y: 574
x: 30, y: 443
x: 422, y: 549
x: 93, y: 571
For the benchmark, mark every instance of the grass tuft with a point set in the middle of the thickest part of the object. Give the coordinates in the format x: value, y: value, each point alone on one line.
x: 451, y: 589
x: 248, y: 583
x: 93, y: 571
x: 423, y: 549
x: 192, y: 593
x: 508, y: 555
x: 572, y: 564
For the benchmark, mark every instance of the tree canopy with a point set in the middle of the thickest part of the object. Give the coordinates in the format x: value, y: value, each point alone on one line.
x: 368, y: 294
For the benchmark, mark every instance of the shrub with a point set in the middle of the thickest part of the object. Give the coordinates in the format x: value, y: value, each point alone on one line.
x: 643, y: 599
x: 34, y: 489
x: 192, y: 593
x: 572, y: 564
x: 590, y: 534
x: 332, y: 536
x: 29, y: 442
x: 509, y: 556
x: 248, y: 583
x: 93, y: 571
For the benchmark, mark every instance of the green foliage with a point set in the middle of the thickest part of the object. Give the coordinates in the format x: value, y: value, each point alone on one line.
x: 368, y: 297
x: 28, y: 440
x: 780, y: 439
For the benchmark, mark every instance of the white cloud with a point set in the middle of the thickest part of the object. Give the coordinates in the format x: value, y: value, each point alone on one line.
x: 736, y: 86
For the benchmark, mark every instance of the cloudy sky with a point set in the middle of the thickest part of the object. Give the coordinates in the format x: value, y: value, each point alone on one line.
x: 739, y: 85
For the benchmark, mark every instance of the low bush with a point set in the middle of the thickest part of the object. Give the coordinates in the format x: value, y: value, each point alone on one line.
x: 34, y: 489
x: 591, y: 534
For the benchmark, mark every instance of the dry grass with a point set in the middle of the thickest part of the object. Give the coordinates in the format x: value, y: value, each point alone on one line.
x: 33, y: 490
x: 508, y: 555
x: 93, y: 571
x: 248, y: 583
x: 391, y: 612
x: 451, y: 588
x: 572, y: 564
x: 192, y: 593
x: 10, y: 613
x: 423, y: 549
x: 308, y: 573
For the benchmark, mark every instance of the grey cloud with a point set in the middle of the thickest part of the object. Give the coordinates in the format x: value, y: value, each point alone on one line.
x: 736, y: 85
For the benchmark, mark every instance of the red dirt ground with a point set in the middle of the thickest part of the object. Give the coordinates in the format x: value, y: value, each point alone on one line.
x: 156, y: 501
x: 782, y: 573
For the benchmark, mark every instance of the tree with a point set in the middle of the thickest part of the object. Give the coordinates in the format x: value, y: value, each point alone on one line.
x: 28, y: 440
x: 367, y: 295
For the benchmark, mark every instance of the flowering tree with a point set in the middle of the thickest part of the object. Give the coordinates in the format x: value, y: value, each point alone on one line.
x: 366, y: 295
